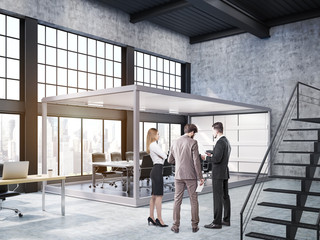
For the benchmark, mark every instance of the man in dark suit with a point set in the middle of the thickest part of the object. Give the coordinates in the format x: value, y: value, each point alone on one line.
x: 220, y: 175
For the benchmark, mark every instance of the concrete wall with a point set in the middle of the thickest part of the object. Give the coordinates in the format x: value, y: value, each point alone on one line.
x: 98, y: 19
x: 247, y: 69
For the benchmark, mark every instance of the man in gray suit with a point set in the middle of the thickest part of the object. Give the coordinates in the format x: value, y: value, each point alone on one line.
x: 220, y: 175
x: 184, y: 154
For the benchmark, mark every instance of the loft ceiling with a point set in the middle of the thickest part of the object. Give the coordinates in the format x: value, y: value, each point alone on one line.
x: 204, y: 20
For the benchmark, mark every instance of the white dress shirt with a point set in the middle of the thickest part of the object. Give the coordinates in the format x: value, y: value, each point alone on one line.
x: 156, y: 153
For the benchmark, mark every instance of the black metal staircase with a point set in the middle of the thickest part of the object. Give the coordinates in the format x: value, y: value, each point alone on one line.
x: 302, y: 194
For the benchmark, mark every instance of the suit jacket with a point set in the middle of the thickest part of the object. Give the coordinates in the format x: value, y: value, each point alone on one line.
x: 184, y: 154
x: 220, y: 159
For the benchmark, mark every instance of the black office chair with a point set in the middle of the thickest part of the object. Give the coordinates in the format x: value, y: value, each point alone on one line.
x: 145, y: 170
x: 142, y: 153
x: 4, y: 193
x: 103, y: 171
x: 206, y: 168
x: 167, y: 173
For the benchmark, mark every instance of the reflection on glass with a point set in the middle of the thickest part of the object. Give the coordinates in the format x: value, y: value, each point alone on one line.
x: 13, y: 69
x: 92, y: 142
x: 164, y: 140
x: 13, y: 27
x: 112, y: 137
x: 70, y: 146
x: 13, y: 89
x: 13, y: 48
x: 52, y: 144
x: 9, y: 137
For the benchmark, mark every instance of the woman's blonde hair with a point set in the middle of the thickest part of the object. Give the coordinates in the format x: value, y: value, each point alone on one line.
x: 151, y: 137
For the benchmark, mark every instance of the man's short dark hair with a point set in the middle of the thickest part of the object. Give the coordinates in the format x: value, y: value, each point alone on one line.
x: 188, y: 128
x: 218, y: 126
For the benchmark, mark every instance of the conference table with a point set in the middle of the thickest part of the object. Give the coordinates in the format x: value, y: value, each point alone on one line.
x: 126, y: 165
x: 44, y: 179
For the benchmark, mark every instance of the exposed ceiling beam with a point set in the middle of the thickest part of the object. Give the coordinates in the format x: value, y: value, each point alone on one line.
x: 216, y: 35
x: 159, y: 10
x: 228, y: 14
x: 294, y: 18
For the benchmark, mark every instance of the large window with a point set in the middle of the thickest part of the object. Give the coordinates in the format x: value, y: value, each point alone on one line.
x: 157, y: 72
x: 168, y: 132
x: 70, y: 63
x: 9, y: 137
x: 9, y: 58
x: 69, y: 141
x: 70, y: 146
x: 112, y: 137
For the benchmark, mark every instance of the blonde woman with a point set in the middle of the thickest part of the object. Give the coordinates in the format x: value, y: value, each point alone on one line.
x: 158, y: 157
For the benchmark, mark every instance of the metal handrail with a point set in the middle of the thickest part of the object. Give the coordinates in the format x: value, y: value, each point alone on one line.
x: 296, y: 89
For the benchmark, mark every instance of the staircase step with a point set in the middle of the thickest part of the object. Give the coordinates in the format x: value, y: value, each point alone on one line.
x: 287, y: 206
x: 304, y: 129
x: 294, y: 178
x: 312, y: 120
x: 297, y: 164
x: 285, y: 222
x: 264, y: 236
x: 297, y: 140
x: 297, y: 152
x: 277, y: 190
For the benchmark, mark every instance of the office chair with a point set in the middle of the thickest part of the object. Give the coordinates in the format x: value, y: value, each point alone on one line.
x: 168, y: 172
x: 4, y: 193
x: 115, y: 156
x: 145, y: 170
x: 103, y: 171
x: 142, y: 153
x: 206, y: 168
x: 129, y: 156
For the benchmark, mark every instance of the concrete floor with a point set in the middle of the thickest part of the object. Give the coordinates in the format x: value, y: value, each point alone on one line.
x: 97, y: 220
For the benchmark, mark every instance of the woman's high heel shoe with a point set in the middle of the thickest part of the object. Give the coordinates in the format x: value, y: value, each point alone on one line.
x: 150, y: 220
x: 159, y: 223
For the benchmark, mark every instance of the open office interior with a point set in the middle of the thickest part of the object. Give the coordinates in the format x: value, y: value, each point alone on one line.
x: 79, y: 77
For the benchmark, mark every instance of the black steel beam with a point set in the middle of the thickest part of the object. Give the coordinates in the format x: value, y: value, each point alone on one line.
x: 159, y: 10
x: 216, y: 35
x: 232, y: 16
x: 294, y: 18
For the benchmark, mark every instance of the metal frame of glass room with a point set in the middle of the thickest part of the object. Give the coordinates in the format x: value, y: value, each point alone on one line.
x: 140, y: 99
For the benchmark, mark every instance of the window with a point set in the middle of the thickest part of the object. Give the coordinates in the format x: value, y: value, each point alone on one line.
x: 157, y: 72
x: 52, y: 144
x: 112, y: 137
x: 70, y: 63
x: 9, y: 137
x: 168, y: 132
x: 9, y: 58
x: 64, y: 142
x: 92, y: 142
x: 70, y: 146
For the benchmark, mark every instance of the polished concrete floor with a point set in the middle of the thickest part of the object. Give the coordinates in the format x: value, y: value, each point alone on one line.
x: 97, y: 220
